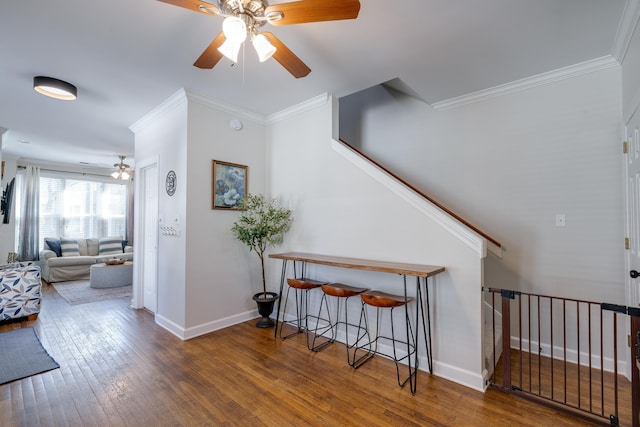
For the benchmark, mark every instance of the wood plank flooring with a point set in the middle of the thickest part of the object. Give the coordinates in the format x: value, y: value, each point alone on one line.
x: 118, y: 368
x: 590, y: 391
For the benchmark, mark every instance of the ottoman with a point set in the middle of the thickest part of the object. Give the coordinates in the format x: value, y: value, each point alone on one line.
x: 111, y: 276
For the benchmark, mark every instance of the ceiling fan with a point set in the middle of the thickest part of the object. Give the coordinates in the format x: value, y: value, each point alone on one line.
x: 243, y: 19
x: 122, y: 170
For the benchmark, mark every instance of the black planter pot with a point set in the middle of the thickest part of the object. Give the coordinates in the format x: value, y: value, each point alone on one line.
x: 265, y: 308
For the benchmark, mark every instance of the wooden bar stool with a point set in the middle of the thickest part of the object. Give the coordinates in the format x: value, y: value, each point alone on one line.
x: 301, y: 287
x: 382, y: 300
x: 326, y: 334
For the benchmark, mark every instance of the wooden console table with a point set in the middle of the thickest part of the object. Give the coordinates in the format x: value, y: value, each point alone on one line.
x: 419, y: 271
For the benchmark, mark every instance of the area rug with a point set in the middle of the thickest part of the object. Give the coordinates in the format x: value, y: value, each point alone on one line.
x: 79, y: 292
x: 22, y: 355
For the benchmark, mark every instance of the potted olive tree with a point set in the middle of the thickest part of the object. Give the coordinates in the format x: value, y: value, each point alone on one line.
x: 262, y: 224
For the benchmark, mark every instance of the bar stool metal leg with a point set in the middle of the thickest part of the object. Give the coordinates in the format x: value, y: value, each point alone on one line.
x: 301, y: 287
x: 326, y: 335
x: 380, y: 301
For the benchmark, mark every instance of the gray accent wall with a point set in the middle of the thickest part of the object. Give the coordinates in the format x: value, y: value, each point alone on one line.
x: 509, y: 165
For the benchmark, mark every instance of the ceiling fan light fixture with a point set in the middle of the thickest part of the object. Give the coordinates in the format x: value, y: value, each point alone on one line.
x: 55, y: 88
x: 230, y: 50
x: 121, y: 170
x: 263, y: 47
x: 234, y: 29
x: 120, y: 174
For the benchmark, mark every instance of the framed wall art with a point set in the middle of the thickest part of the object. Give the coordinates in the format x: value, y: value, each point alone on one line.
x: 229, y: 185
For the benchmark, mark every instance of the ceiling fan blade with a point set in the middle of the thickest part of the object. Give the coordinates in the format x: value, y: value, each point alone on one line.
x: 287, y: 58
x: 299, y: 12
x: 211, y: 54
x: 195, y: 5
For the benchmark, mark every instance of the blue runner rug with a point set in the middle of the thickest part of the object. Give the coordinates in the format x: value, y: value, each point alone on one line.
x: 22, y: 355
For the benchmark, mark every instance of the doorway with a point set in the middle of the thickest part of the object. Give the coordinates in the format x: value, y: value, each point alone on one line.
x: 632, y: 135
x: 149, y: 234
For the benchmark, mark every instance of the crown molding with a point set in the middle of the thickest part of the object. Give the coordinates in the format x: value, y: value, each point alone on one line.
x: 227, y: 108
x: 626, y: 28
x: 175, y: 100
x: 184, y: 95
x: 571, y: 71
x: 300, y: 108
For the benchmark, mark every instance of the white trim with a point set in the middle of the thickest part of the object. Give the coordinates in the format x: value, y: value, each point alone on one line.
x: 137, y: 301
x: 227, y: 108
x: 205, y: 328
x: 444, y: 370
x: 461, y: 376
x: 175, y: 100
x: 183, y: 95
x: 626, y: 28
x: 571, y: 355
x: 170, y: 326
x: 529, y: 82
x: 297, y: 109
x: 446, y: 221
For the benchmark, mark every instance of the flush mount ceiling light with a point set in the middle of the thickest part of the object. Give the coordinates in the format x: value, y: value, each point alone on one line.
x: 122, y: 170
x: 55, y: 88
x: 244, y: 18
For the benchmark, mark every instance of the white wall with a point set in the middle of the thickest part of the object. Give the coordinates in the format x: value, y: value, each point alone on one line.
x: 161, y: 137
x: 221, y: 273
x: 508, y: 165
x: 340, y: 210
x: 205, y: 277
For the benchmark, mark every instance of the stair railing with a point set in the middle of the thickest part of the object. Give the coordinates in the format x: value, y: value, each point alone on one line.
x: 425, y: 196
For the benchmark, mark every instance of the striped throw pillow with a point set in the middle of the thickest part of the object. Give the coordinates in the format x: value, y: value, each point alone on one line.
x: 110, y: 245
x: 69, y: 247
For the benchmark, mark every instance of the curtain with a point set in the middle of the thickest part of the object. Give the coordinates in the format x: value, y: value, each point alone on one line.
x: 29, y: 215
x: 129, y: 233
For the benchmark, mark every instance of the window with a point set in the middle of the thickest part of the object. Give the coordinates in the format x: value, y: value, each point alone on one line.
x: 78, y: 208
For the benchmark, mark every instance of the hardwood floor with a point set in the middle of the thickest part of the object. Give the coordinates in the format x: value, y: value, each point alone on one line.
x: 589, y: 390
x: 118, y: 368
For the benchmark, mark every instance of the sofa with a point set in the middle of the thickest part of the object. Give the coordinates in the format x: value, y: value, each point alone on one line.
x: 20, y: 291
x: 71, y: 259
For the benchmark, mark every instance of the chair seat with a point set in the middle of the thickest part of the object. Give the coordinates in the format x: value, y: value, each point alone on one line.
x: 303, y: 283
x: 383, y: 299
x: 341, y: 290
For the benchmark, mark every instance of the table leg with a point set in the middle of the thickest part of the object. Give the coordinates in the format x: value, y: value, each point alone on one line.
x: 413, y: 371
x: 427, y: 329
x: 426, y: 320
x: 282, y: 276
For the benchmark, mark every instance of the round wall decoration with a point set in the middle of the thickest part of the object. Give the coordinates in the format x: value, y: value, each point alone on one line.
x: 171, y: 183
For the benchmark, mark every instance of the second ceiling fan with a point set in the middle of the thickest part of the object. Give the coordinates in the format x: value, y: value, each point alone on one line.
x: 243, y: 19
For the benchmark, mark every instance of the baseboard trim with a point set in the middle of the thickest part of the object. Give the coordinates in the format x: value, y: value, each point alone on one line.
x: 196, y: 331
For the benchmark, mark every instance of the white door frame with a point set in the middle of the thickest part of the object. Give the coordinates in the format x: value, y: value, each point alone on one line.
x: 139, y: 232
x: 631, y: 169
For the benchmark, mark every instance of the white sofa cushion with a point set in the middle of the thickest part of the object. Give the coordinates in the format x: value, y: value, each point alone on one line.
x: 69, y: 247
x: 92, y: 246
x: 67, y: 261
x: 110, y: 245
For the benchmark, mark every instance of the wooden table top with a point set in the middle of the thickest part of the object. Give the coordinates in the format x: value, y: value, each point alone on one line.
x: 418, y: 270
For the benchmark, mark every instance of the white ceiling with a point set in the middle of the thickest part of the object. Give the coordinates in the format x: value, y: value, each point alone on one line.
x: 127, y: 56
